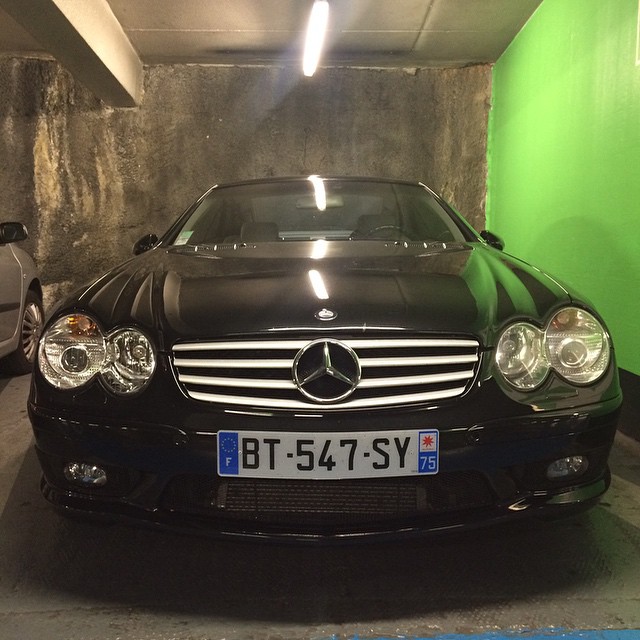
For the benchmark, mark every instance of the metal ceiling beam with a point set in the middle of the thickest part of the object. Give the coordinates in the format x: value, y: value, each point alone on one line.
x: 88, y: 40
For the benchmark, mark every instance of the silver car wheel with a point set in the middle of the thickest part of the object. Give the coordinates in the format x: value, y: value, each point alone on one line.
x: 32, y: 322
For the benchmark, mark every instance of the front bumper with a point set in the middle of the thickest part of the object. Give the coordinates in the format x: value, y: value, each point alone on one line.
x: 165, y: 476
x: 540, y: 504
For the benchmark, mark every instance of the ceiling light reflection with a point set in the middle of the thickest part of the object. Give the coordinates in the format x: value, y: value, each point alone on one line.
x: 318, y: 285
x: 316, y: 31
x: 319, y: 192
x: 319, y: 250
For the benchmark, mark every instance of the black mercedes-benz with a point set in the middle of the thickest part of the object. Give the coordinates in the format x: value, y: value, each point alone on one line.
x: 324, y: 358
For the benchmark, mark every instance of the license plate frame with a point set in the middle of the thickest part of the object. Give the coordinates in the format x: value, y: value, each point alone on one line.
x: 290, y: 455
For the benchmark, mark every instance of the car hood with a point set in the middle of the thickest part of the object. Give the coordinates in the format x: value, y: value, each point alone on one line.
x: 203, y: 292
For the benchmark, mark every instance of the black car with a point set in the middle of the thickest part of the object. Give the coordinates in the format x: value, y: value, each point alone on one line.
x: 324, y: 358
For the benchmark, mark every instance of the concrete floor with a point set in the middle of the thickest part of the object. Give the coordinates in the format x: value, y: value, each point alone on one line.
x: 75, y: 580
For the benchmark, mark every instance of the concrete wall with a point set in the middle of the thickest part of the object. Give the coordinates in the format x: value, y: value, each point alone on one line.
x: 88, y: 180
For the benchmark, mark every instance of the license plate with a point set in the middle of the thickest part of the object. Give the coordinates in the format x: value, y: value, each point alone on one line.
x: 327, y: 456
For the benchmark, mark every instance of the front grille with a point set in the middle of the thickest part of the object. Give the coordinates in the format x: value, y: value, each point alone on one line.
x: 394, y: 371
x: 328, y: 502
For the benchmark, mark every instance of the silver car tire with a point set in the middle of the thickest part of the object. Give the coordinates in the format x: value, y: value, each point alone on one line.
x: 22, y: 359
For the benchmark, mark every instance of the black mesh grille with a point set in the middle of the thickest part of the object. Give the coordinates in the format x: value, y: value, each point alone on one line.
x: 326, y: 503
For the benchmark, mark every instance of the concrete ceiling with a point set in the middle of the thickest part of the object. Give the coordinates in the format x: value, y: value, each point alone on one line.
x: 105, y: 43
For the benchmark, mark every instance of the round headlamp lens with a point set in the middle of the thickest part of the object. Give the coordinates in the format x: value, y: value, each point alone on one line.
x: 130, y: 361
x: 75, y: 359
x: 72, y: 351
x: 577, y: 346
x: 520, y: 356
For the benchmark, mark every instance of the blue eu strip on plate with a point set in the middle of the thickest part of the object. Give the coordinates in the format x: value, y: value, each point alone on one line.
x: 228, y: 453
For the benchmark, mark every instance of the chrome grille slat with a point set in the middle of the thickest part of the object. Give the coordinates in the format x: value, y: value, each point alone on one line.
x: 401, y: 381
x: 240, y: 346
x: 243, y: 383
x: 278, y: 403
x: 373, y: 383
x: 396, y: 371
x: 235, y: 364
x: 415, y: 362
x: 360, y: 343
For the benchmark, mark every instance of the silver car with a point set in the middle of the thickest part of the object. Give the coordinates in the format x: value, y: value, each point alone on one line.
x: 21, y: 312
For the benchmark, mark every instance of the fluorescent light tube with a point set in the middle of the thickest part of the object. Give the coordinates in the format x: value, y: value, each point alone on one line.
x: 316, y: 31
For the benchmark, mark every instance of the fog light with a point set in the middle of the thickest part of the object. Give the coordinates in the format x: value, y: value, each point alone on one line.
x: 87, y: 475
x: 567, y: 467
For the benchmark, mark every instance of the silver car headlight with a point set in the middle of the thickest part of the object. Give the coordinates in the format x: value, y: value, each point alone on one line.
x: 520, y: 356
x: 577, y: 346
x: 574, y: 344
x: 130, y: 361
x: 73, y: 351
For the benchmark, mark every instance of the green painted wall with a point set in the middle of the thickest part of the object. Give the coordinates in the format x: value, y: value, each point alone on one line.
x: 564, y: 155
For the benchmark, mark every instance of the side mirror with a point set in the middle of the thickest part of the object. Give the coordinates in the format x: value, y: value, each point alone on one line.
x: 492, y: 239
x: 145, y: 243
x: 12, y: 232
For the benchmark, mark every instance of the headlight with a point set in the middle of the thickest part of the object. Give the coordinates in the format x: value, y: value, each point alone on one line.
x: 574, y: 344
x: 520, y: 356
x: 74, y: 350
x: 130, y: 361
x: 577, y: 346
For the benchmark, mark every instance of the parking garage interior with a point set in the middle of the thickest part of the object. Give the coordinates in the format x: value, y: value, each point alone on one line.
x: 524, y: 115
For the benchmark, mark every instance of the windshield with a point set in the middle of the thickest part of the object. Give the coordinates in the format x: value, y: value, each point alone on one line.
x: 318, y: 209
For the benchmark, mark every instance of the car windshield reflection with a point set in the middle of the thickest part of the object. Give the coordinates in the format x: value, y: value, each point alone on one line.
x: 318, y: 209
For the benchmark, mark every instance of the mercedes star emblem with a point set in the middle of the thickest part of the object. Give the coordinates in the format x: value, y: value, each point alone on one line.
x: 326, y: 371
